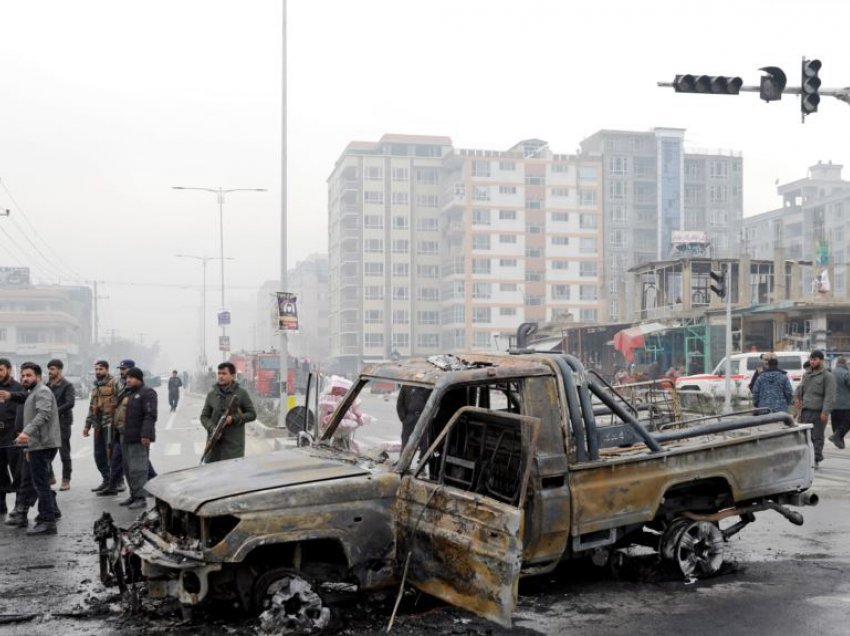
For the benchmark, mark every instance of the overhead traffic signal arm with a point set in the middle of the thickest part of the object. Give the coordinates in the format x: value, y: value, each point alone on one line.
x: 710, y: 84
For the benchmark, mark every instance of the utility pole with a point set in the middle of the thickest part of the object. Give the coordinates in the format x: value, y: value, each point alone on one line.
x: 96, y: 298
x: 284, y: 343
x: 727, y: 403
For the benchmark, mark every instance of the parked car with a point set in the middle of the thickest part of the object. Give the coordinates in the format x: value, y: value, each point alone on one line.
x: 742, y: 369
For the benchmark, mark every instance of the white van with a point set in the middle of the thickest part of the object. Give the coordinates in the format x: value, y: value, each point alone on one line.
x: 743, y: 365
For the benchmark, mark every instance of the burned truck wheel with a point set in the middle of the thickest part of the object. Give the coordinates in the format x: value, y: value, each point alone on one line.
x: 285, y: 600
x: 694, y: 547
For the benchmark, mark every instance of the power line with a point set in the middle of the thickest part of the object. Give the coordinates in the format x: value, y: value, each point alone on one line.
x: 25, y: 216
x: 23, y: 256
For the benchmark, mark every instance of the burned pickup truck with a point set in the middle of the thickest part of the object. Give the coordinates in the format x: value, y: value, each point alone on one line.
x: 515, y: 463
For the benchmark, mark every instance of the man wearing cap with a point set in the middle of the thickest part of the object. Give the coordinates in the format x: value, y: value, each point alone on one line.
x: 138, y: 434
x: 101, y: 407
x: 841, y: 412
x: 772, y: 389
x: 63, y: 391
x: 815, y: 397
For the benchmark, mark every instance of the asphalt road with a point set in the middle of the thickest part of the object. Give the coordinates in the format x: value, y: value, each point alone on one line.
x: 782, y: 579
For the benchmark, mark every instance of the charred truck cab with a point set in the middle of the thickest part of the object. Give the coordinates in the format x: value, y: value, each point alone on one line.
x: 516, y: 463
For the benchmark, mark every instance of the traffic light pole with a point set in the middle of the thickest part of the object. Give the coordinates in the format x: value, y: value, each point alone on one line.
x: 727, y: 400
x: 841, y: 94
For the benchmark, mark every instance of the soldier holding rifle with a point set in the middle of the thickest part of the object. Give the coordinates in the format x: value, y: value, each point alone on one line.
x: 231, y: 402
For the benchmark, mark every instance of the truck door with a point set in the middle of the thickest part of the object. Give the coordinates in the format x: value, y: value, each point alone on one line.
x: 460, y: 513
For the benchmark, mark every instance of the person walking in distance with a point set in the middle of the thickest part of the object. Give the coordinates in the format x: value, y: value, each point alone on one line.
x: 232, y: 442
x: 9, y: 455
x: 815, y: 399
x: 841, y: 412
x: 138, y: 434
x: 43, y: 437
x: 772, y: 389
x: 174, y: 384
x: 101, y: 407
x: 63, y: 391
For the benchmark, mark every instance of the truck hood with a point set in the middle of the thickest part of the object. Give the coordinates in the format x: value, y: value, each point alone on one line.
x: 189, y: 489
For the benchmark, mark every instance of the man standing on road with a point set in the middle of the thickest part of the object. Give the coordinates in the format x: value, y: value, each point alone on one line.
x: 409, y: 406
x: 174, y: 384
x: 116, y: 463
x: 101, y: 407
x: 9, y: 455
x: 841, y: 412
x: 43, y: 437
x: 63, y: 391
x: 815, y: 396
x: 232, y: 442
x: 138, y: 435
x: 772, y: 389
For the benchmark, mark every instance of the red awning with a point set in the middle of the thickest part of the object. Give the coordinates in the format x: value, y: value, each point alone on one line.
x: 627, y: 340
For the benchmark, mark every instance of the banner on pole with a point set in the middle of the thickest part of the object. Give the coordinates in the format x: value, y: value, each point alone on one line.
x: 287, y: 312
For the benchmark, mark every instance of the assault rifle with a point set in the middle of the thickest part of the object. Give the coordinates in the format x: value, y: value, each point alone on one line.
x: 218, y: 430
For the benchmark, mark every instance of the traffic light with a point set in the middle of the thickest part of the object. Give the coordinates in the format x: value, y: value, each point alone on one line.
x: 718, y: 285
x: 709, y: 84
x: 772, y: 84
x: 810, y: 85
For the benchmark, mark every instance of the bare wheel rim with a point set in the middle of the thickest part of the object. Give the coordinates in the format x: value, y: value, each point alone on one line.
x: 699, y: 549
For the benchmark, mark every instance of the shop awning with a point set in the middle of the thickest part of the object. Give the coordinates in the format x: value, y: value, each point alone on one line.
x: 627, y: 340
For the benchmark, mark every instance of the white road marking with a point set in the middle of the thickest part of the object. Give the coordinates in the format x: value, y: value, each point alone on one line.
x: 170, y: 423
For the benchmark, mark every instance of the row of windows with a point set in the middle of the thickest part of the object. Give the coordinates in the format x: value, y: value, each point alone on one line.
x: 482, y: 168
x: 376, y: 197
x: 401, y: 340
x: 376, y: 292
x: 401, y: 317
x: 483, y: 216
x: 401, y: 246
x: 428, y: 176
x: 376, y: 222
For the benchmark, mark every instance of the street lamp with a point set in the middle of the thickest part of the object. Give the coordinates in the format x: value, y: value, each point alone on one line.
x: 220, y: 192
x: 204, y: 260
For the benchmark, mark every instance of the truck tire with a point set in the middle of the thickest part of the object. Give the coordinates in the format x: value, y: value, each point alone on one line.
x: 284, y: 599
x: 695, y: 548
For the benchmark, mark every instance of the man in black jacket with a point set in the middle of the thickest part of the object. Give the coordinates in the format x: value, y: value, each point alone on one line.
x: 9, y: 456
x: 138, y: 435
x: 63, y: 391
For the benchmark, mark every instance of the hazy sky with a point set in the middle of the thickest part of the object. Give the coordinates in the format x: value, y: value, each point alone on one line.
x: 105, y: 105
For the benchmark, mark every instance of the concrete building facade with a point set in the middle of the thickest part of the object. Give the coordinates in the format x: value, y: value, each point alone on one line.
x: 653, y: 187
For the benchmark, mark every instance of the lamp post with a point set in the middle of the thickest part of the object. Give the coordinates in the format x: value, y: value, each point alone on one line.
x: 204, y: 260
x: 220, y: 193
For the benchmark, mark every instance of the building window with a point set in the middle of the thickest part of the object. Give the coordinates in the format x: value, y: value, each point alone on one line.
x: 481, y: 193
x: 588, y: 173
x: 373, y: 173
x: 373, y: 269
x: 480, y: 168
x: 560, y: 292
x: 401, y: 340
x: 503, y: 189
x: 587, y: 292
x: 560, y: 264
x: 535, y: 180
x: 480, y: 216
x: 427, y: 176
x: 560, y: 240
x: 373, y: 245
x: 507, y: 311
x: 400, y: 222
x: 399, y: 174
x: 507, y: 287
x: 534, y: 228
x: 533, y: 252
x: 618, y: 165
x: 559, y: 167
x: 587, y: 268
x: 373, y: 292
x: 427, y: 340
x: 618, y: 213
x: 481, y: 241
x: 480, y: 265
x: 588, y: 315
x: 373, y: 221
x: 586, y: 197
x: 507, y: 166
x: 480, y: 314
x: 560, y: 217
x: 618, y: 238
x: 587, y: 245
x: 401, y: 269
x: 428, y: 271
x: 507, y: 262
x: 427, y: 224
x: 507, y: 238
x: 718, y: 218
x: 481, y: 290
x: 718, y: 194
x: 588, y: 222
x: 560, y: 192
x: 507, y: 215
x: 534, y: 300
x: 401, y: 317
x: 718, y: 169
x: 373, y: 340
x: 401, y: 246
x: 427, y: 247
x: 373, y: 316
x: 533, y: 275
x: 428, y: 317
x: 400, y: 198
x: 534, y: 204
x: 401, y: 293
x: 617, y: 190
x: 481, y: 339
x: 375, y: 198
x: 427, y: 201
x: 429, y: 293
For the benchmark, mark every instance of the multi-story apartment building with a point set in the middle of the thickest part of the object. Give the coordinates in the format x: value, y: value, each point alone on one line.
x: 813, y: 226
x: 384, y: 241
x: 654, y: 187
x: 521, y: 242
